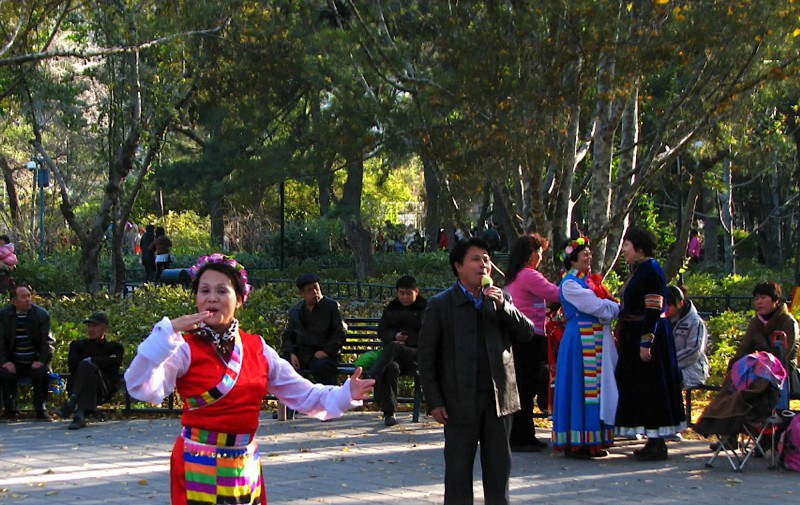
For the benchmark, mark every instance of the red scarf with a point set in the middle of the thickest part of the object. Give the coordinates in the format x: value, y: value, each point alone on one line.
x: 595, y: 283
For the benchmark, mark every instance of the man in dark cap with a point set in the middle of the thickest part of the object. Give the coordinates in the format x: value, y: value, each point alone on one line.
x: 93, y: 371
x: 315, y: 333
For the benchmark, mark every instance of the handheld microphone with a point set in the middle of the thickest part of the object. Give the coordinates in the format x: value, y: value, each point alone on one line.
x: 487, y: 282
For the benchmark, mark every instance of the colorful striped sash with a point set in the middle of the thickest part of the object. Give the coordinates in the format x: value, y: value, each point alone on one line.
x: 234, y: 366
x: 217, y: 475
x: 592, y: 350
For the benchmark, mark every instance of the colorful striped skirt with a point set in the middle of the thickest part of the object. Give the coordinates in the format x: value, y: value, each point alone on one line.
x: 216, y: 468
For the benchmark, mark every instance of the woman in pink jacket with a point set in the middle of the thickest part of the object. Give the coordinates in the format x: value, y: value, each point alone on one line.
x: 530, y: 292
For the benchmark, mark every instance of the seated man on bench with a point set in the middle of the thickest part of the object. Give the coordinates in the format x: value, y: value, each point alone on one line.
x: 93, y: 371
x: 315, y: 333
x: 399, y: 331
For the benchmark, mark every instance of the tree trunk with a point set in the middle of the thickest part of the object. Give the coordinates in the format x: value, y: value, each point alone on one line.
x: 726, y: 203
x: 90, y: 270
x: 770, y: 233
x: 503, y: 215
x: 677, y: 255
x: 358, y: 236
x: 600, y: 205
x: 11, y: 191
x: 217, y: 212
x: 119, y: 270
x: 711, y: 227
x: 794, y: 127
x: 433, y: 202
x: 324, y: 188
x: 564, y: 176
x: 628, y: 158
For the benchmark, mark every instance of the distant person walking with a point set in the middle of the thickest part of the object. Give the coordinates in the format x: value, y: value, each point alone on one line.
x: 695, y: 249
x: 148, y: 254
x: 162, y: 248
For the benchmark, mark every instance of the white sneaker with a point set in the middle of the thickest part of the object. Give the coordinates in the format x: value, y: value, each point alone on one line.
x: 674, y: 438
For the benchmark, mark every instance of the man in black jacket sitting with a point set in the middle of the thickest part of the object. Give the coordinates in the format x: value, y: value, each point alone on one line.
x: 399, y: 331
x: 26, y: 350
x: 316, y: 332
x: 93, y: 371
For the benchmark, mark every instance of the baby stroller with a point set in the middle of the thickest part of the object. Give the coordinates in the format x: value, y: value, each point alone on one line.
x: 742, y: 417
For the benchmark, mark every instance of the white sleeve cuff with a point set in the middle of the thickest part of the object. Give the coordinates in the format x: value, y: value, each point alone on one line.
x: 162, y: 343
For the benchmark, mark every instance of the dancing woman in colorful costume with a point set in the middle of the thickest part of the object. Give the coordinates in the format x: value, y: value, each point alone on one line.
x: 223, y: 373
x: 585, y: 392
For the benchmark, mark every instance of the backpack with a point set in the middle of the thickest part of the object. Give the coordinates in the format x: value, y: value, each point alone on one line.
x: 789, y: 447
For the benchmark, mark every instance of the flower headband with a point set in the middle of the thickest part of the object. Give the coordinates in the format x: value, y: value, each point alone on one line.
x: 223, y: 260
x: 572, y: 246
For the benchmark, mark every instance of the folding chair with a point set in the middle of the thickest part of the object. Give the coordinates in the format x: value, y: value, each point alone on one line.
x: 749, y: 444
x: 744, y: 412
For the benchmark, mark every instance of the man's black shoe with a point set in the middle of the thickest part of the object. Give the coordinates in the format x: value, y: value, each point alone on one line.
x: 42, y: 415
x: 77, y: 423
x: 67, y: 410
x: 389, y: 420
x: 539, y: 443
x: 10, y: 415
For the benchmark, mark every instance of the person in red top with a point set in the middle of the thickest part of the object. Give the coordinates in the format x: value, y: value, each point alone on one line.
x: 223, y: 373
x: 531, y: 293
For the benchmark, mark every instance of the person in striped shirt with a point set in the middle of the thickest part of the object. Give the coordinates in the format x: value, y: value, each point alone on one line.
x: 26, y: 350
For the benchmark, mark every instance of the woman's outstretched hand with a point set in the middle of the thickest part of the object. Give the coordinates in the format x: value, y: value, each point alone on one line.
x: 189, y: 322
x: 360, y: 388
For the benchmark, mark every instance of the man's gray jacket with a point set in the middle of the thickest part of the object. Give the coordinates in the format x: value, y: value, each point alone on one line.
x: 447, y: 354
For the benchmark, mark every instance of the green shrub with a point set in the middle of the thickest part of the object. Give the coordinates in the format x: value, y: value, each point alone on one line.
x: 725, y: 332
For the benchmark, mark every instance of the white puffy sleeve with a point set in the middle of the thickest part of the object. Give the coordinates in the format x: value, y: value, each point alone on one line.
x: 587, y: 302
x: 298, y: 393
x: 162, y: 357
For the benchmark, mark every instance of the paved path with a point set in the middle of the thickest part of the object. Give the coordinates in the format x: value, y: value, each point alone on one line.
x: 356, y: 460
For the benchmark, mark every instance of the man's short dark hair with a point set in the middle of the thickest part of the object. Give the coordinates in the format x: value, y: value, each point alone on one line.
x: 306, y: 279
x: 458, y: 251
x: 150, y: 228
x: 406, y: 282
x: 642, y: 239
x: 13, y: 293
x: 769, y: 288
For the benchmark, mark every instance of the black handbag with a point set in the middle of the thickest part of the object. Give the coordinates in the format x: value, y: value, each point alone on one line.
x: 794, y: 384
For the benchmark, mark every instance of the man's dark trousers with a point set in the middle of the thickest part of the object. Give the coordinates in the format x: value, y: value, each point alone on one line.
x: 88, y: 387
x: 40, y: 378
x: 460, y: 444
x: 395, y: 359
x: 323, y: 371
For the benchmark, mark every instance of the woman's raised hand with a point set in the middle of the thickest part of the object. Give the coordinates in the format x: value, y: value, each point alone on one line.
x: 360, y: 388
x: 189, y: 322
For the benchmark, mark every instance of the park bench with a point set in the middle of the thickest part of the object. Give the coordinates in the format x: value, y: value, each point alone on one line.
x: 688, y: 393
x: 362, y: 336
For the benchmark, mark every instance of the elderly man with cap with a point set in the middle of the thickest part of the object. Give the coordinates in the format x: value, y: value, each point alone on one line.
x: 94, y: 364
x: 315, y: 333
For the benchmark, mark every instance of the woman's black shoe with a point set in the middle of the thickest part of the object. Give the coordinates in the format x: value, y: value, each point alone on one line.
x: 656, y: 452
x: 648, y: 447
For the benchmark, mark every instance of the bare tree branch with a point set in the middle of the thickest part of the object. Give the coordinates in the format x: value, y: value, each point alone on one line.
x: 105, y: 51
